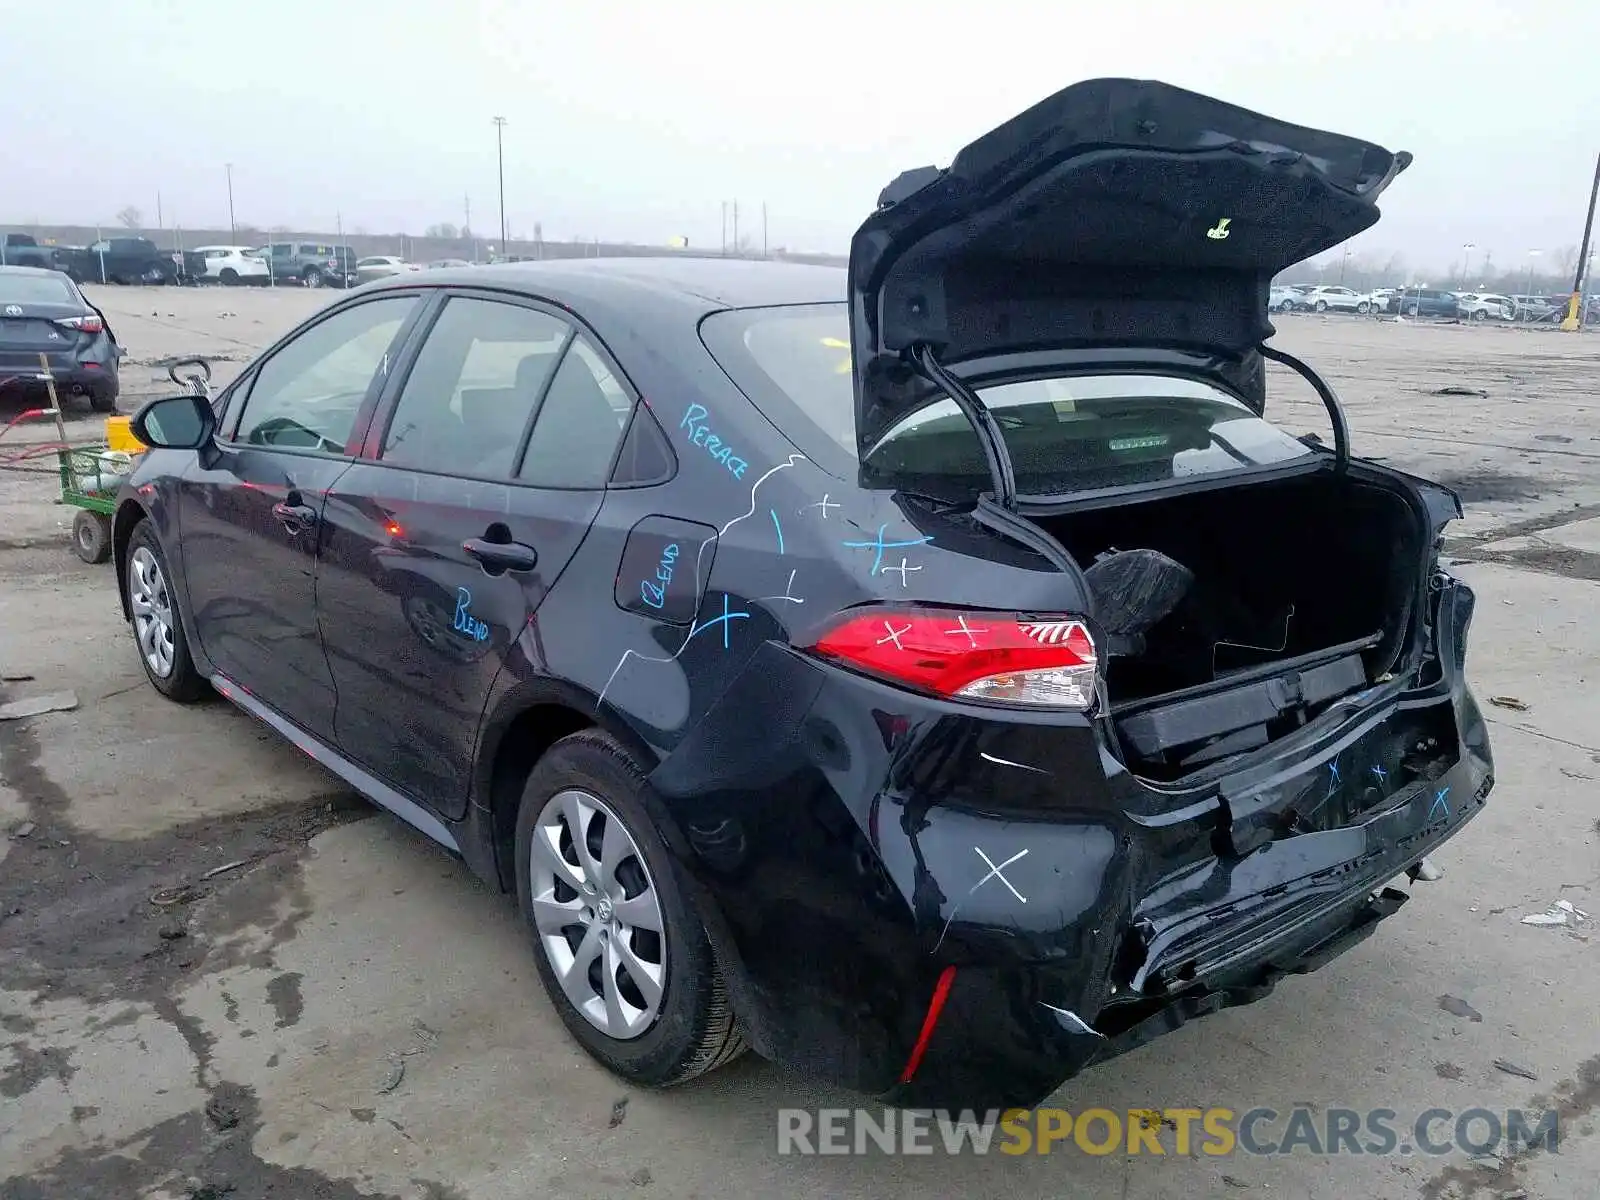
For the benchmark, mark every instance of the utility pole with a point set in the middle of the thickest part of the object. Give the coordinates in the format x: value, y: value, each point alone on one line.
x: 233, y: 226
x: 1466, y: 265
x: 763, y: 229
x: 159, y: 225
x: 1571, y: 322
x: 500, y: 152
x: 724, y: 228
x: 466, y: 204
x: 736, y: 228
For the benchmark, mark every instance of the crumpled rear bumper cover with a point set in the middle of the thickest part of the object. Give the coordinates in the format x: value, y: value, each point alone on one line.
x: 1006, y: 1038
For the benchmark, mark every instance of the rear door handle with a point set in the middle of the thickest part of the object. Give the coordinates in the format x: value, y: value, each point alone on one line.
x: 295, y: 517
x: 501, y: 556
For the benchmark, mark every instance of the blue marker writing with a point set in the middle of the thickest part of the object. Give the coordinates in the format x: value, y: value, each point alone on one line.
x: 699, y: 434
x: 465, y: 622
x: 651, y: 591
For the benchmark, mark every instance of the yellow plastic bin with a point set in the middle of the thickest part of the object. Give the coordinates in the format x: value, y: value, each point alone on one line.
x: 120, y: 437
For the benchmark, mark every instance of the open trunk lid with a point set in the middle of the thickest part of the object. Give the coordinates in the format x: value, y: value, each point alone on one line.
x: 1117, y: 213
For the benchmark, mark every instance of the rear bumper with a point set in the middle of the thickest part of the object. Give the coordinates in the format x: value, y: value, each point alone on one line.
x: 73, y: 376
x: 875, y: 849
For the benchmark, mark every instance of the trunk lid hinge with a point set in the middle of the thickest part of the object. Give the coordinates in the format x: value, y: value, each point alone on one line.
x: 1325, y: 393
x: 926, y: 363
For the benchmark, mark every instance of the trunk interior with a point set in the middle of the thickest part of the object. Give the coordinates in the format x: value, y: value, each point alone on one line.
x: 1234, y: 616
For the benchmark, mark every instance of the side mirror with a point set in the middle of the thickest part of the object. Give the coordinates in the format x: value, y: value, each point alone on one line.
x: 175, y: 423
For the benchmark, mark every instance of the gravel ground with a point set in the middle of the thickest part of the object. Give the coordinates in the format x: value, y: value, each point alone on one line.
x: 345, y: 1012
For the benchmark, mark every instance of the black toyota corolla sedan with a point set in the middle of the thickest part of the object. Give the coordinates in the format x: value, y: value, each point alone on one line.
x: 938, y: 674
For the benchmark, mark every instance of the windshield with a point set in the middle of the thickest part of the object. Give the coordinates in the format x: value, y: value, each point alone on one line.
x: 36, y: 289
x: 1066, y: 435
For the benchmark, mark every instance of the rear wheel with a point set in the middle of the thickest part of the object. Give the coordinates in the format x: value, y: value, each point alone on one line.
x: 230, y: 277
x: 619, y: 947
x: 157, y: 629
x: 103, y: 401
x: 312, y: 277
x: 1322, y: 306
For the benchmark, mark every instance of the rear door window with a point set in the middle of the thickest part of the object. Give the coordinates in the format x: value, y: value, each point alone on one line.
x: 307, y: 395
x: 476, y: 382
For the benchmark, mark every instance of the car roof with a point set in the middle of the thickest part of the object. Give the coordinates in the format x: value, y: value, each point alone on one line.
x: 699, y: 284
x: 13, y: 270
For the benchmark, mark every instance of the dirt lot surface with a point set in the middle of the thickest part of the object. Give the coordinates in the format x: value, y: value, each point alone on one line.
x: 221, y: 974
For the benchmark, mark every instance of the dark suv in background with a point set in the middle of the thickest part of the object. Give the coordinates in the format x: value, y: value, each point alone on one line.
x: 1424, y: 302
x: 314, y: 264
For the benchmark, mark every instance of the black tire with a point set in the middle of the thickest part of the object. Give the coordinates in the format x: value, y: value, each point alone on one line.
x: 103, y: 401
x: 311, y: 277
x: 693, y: 1031
x: 229, y: 277
x: 1322, y: 306
x: 1481, y: 314
x: 182, y: 683
x: 91, y: 536
x: 1363, y: 308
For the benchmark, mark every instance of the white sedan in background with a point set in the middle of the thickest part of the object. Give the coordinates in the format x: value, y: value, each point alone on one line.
x: 233, y: 265
x: 381, y: 266
x: 1337, y: 299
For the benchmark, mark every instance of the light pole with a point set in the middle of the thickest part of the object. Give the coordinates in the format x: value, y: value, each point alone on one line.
x: 1466, y: 264
x: 233, y: 228
x: 500, y: 154
x: 1527, y: 288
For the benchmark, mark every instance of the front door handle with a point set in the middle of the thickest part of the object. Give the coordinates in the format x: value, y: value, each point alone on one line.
x: 295, y: 517
x: 501, y: 556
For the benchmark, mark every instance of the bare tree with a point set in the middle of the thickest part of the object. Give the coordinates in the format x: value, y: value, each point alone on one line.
x: 442, y: 230
x: 1565, y: 261
x: 131, y: 218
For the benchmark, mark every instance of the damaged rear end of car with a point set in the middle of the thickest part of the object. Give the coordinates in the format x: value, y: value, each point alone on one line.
x: 1062, y: 340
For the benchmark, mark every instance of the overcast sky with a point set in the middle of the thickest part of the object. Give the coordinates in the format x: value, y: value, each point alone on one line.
x: 636, y: 120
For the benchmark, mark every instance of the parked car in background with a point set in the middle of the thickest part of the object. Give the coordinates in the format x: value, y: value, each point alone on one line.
x: 1485, y: 306
x: 441, y: 263
x: 128, y: 260
x: 381, y: 266
x: 1423, y: 302
x: 985, y: 749
x: 228, y: 265
x: 1338, y: 299
x: 314, y: 264
x: 1282, y: 298
x: 1380, y: 298
x: 43, y: 312
x: 1534, y: 309
x: 22, y: 250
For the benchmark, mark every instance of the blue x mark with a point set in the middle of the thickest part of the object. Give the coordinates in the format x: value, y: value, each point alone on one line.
x: 725, y: 620
x: 1380, y: 772
x: 1440, y: 801
x: 879, y: 546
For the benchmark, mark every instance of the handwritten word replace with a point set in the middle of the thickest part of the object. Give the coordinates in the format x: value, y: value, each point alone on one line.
x: 698, y: 431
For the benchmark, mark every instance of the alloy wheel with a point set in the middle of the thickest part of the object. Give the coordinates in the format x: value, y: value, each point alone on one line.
x: 151, y: 605
x: 597, y: 913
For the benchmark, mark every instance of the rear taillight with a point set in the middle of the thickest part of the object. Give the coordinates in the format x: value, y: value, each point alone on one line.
x: 1001, y: 658
x: 83, y: 324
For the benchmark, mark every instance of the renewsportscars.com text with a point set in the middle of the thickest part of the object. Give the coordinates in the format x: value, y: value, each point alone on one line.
x: 1219, y: 1132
